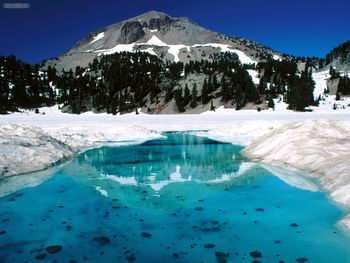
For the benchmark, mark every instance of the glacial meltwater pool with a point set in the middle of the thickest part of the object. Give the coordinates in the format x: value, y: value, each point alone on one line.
x: 179, y: 199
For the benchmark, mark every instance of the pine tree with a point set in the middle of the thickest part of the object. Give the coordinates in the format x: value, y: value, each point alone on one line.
x: 262, y: 86
x: 205, y: 95
x: 179, y: 100
x: 214, y: 83
x: 194, y: 96
x: 225, y: 90
x: 187, y: 95
x: 212, y: 108
x: 271, y: 103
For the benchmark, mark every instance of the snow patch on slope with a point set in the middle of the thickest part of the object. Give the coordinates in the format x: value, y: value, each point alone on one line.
x: 97, y: 37
x: 116, y: 49
x: 254, y: 75
x: 320, y: 79
x: 156, y: 41
x: 277, y: 57
x: 227, y: 48
x: 173, y: 49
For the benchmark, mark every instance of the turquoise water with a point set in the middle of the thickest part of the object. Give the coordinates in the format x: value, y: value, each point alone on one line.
x: 178, y: 199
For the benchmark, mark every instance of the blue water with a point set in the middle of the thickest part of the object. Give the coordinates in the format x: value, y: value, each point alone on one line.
x: 178, y: 199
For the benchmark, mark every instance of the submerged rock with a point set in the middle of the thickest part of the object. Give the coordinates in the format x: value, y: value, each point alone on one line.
x: 221, y: 256
x: 255, y: 254
x: 302, y: 260
x: 53, y: 249
x: 41, y: 256
x: 209, y: 245
x: 131, y: 258
x: 103, y: 240
x: 145, y: 234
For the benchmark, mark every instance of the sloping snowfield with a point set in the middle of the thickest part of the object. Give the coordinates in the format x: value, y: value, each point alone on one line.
x: 316, y: 143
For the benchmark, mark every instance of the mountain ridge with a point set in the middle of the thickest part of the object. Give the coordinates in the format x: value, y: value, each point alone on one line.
x: 138, y: 30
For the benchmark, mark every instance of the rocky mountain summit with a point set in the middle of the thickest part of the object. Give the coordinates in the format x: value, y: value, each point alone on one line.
x: 170, y: 38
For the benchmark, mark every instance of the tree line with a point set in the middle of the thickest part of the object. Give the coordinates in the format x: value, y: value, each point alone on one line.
x: 123, y: 82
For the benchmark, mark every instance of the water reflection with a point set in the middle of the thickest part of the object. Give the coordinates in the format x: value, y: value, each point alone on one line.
x: 170, y: 167
x: 174, y: 159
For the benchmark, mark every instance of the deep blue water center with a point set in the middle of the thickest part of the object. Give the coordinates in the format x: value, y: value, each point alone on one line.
x: 179, y: 199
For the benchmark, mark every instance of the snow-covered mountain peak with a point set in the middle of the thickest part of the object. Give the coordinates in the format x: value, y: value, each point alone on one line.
x: 174, y: 39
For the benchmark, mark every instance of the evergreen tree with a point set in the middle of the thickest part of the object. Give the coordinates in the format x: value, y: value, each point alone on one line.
x: 212, y: 108
x: 205, y: 95
x: 194, y: 96
x: 187, y: 95
x: 225, y: 90
x: 300, y: 95
x: 271, y: 103
x: 179, y: 100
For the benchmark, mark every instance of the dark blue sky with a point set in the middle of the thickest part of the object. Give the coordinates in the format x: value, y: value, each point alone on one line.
x: 299, y: 27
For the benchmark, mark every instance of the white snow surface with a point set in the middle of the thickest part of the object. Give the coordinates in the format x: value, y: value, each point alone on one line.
x: 172, y: 49
x: 154, y: 40
x: 227, y: 48
x: 277, y: 57
x: 26, y: 149
x: 116, y: 49
x: 98, y: 37
x: 254, y: 75
x: 320, y: 79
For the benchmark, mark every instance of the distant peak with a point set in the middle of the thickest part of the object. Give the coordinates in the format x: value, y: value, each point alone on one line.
x: 152, y: 14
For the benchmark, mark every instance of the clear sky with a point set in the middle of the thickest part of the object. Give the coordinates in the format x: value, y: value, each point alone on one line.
x: 299, y: 27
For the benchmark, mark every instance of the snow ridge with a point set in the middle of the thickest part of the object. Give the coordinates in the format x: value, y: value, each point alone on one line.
x: 172, y: 49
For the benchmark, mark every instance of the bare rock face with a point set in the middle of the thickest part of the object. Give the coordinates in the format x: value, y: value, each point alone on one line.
x: 333, y: 86
x: 158, y: 23
x: 131, y: 32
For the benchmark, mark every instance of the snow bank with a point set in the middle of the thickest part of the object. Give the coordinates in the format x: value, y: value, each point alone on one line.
x: 320, y: 148
x: 25, y: 149
x: 83, y: 137
x: 241, y: 133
